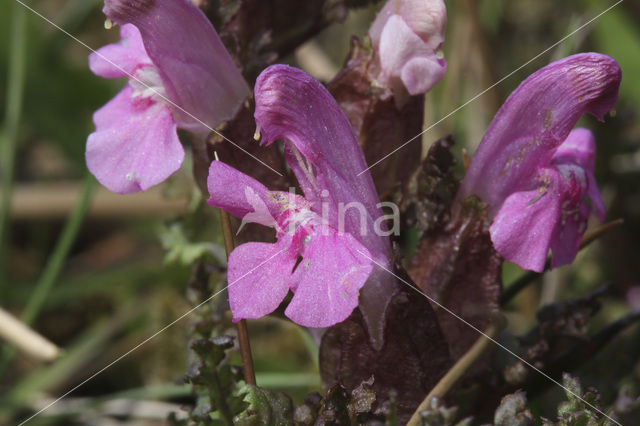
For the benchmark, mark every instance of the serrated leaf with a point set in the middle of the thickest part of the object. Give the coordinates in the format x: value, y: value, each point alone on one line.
x: 264, y: 408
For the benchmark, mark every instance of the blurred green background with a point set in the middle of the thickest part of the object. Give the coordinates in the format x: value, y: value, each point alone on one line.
x: 98, y: 273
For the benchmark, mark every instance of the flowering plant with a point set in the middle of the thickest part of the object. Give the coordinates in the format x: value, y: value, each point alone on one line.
x: 356, y: 230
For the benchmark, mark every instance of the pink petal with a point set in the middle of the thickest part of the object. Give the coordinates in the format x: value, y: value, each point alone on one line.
x: 234, y: 191
x: 259, y: 276
x: 567, y: 235
x: 398, y: 46
x: 579, y: 148
x: 420, y: 74
x: 197, y: 72
x: 523, y: 228
x: 426, y: 18
x: 135, y: 145
x: 334, y: 269
x: 122, y: 58
x: 536, y: 118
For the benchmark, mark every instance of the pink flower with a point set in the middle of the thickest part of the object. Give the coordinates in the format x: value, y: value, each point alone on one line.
x: 335, y: 252
x: 534, y: 171
x: 326, y: 281
x: 180, y: 76
x: 407, y: 35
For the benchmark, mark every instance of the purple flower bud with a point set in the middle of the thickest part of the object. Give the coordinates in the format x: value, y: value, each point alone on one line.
x: 407, y: 35
x: 180, y: 76
x: 533, y: 171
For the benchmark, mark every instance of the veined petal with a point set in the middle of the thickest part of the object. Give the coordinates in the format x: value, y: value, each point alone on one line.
x: 536, y: 118
x: 334, y: 269
x: 523, y: 227
x: 135, y: 145
x: 120, y: 59
x: 259, y: 278
x: 197, y: 72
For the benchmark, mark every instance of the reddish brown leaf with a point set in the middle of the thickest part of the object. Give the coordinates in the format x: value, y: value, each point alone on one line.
x: 413, y: 358
x: 457, y: 266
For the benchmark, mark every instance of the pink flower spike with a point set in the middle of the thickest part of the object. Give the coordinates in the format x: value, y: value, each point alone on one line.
x: 534, y: 171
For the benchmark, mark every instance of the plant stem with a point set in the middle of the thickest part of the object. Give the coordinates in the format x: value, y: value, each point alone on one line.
x: 530, y: 276
x: 458, y: 370
x: 29, y: 341
x: 15, y: 90
x: 54, y: 264
x: 243, y: 333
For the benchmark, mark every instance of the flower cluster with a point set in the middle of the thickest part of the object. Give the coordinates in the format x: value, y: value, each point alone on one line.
x: 532, y: 169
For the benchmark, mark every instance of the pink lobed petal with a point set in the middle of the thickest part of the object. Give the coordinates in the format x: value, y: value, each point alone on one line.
x: 523, y: 228
x: 135, y: 145
x: 567, y: 235
x: 120, y: 59
x: 420, y: 74
x: 399, y: 44
x: 578, y: 148
x: 259, y: 276
x: 333, y: 270
x: 235, y: 192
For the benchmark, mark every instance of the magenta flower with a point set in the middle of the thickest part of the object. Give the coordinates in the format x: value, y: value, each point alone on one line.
x: 335, y: 239
x: 533, y: 171
x: 180, y: 76
x: 407, y: 35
